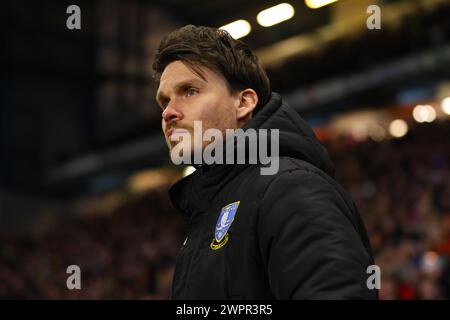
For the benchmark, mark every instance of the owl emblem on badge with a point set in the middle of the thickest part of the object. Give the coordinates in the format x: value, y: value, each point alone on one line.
x: 224, y: 222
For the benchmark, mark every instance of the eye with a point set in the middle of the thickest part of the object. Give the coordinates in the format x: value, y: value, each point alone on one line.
x: 191, y: 92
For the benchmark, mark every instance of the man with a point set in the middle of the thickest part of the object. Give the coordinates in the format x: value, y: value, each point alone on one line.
x: 294, y: 234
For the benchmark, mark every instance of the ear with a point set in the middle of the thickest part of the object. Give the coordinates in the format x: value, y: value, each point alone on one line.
x: 248, y: 99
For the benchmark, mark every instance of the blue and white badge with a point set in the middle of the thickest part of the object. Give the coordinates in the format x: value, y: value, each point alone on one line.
x: 225, y: 220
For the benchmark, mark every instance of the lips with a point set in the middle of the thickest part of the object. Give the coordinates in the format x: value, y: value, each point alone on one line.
x: 172, y: 130
x: 169, y: 132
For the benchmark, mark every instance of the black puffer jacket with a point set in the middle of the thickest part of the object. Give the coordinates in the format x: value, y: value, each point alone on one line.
x: 295, y: 234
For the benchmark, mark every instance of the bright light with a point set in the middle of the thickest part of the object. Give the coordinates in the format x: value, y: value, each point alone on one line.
x: 431, y: 114
x: 424, y: 113
x: 188, y: 170
x: 420, y: 113
x: 238, y: 29
x: 274, y: 15
x: 398, y: 128
x: 314, y: 4
x: 445, y: 105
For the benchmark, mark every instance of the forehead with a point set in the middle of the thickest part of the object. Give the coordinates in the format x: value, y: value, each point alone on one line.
x: 175, y: 72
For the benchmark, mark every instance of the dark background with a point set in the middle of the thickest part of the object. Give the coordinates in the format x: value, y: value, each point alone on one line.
x: 84, y: 169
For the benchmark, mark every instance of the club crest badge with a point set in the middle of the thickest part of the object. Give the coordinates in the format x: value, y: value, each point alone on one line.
x: 224, y: 222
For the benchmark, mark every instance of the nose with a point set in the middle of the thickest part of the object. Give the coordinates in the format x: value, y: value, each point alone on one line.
x: 171, y: 113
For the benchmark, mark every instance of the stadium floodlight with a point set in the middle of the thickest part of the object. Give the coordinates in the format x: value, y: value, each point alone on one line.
x: 445, y: 105
x: 398, y: 128
x: 314, y: 4
x: 424, y: 113
x: 275, y: 15
x: 238, y: 28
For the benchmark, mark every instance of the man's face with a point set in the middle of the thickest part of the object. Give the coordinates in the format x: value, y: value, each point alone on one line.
x: 185, y: 97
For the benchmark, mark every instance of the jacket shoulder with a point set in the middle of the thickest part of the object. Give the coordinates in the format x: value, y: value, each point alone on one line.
x: 308, y: 229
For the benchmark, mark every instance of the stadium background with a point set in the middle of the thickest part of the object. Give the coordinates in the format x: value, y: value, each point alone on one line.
x: 84, y: 169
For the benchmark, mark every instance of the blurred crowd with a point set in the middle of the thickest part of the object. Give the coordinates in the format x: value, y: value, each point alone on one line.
x: 402, y: 190
x: 128, y: 254
x: 401, y: 187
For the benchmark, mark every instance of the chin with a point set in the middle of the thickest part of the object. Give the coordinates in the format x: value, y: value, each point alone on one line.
x: 181, y: 146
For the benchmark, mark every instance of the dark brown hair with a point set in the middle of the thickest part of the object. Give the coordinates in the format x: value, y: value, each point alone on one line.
x: 217, y: 50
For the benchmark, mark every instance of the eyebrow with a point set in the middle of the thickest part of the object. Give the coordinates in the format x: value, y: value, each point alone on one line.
x: 160, y: 96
